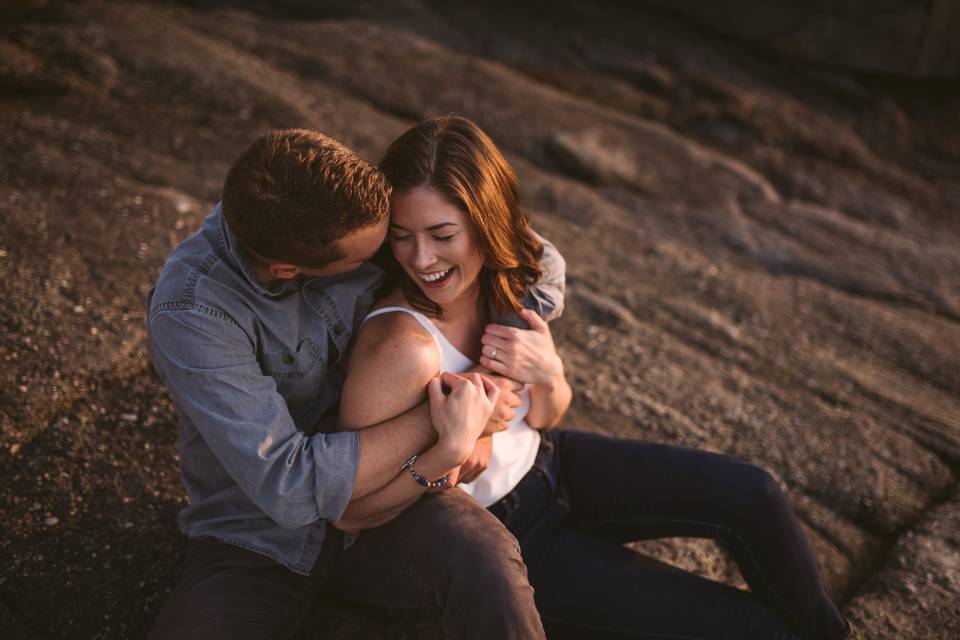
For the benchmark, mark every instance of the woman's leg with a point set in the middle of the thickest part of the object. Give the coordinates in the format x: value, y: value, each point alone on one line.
x: 626, y: 490
x: 590, y: 588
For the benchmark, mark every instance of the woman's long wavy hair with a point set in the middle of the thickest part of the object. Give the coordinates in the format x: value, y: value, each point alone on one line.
x: 452, y: 156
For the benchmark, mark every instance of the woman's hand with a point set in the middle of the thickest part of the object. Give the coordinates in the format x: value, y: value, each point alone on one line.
x: 460, y: 416
x: 477, y: 462
x: 527, y: 355
x: 507, y: 403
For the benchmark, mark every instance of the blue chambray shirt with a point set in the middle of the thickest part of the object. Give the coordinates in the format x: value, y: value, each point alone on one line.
x: 255, y: 374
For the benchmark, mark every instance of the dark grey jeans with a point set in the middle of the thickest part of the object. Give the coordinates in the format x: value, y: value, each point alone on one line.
x: 445, y: 553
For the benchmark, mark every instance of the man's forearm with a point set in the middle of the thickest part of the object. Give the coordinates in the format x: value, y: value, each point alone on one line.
x: 384, y: 447
x: 386, y: 503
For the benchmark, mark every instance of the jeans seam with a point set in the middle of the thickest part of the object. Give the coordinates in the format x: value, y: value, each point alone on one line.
x: 598, y: 627
x: 729, y: 531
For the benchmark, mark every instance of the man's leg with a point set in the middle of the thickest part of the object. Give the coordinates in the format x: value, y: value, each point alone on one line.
x: 227, y: 592
x: 446, y: 553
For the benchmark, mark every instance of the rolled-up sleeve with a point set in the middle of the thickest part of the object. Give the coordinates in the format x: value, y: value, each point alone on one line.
x: 210, y: 367
x: 546, y: 295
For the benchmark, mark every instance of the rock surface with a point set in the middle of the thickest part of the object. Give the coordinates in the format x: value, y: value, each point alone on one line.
x: 911, y: 38
x: 762, y: 258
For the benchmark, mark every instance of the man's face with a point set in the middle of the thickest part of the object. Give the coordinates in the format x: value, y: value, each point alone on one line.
x: 357, y: 248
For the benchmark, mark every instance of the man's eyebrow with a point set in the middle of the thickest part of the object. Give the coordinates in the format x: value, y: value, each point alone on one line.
x: 432, y: 227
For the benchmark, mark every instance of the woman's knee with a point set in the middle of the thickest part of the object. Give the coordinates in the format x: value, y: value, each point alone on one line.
x: 758, y: 493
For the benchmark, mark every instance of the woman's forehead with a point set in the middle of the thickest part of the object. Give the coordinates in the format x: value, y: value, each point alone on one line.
x: 423, y: 207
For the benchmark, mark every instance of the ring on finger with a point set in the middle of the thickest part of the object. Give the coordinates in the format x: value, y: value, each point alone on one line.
x: 493, y: 353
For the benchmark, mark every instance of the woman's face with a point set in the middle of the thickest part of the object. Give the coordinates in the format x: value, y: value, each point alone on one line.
x: 435, y: 243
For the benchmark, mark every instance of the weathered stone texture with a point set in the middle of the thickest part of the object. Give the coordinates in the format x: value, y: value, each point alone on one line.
x: 762, y: 258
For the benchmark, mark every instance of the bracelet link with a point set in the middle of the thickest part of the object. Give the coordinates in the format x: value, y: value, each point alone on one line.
x: 420, y: 480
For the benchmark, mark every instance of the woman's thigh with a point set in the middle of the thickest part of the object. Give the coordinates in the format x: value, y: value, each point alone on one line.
x: 630, y: 490
x: 590, y: 587
x: 626, y: 490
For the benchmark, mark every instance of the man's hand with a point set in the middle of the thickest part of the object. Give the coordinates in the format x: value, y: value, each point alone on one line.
x: 478, y: 461
x: 461, y: 416
x: 507, y: 403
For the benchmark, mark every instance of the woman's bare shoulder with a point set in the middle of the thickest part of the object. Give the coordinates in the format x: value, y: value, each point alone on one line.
x: 396, y: 336
x: 394, y: 359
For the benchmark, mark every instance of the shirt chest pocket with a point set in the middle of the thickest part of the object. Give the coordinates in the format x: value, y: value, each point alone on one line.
x: 298, y: 372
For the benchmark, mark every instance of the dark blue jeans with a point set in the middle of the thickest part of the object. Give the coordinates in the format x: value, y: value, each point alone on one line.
x: 588, y: 494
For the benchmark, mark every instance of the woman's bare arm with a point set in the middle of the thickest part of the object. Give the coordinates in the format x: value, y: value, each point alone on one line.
x: 548, y: 402
x: 390, y: 365
x: 389, y: 372
x: 529, y: 355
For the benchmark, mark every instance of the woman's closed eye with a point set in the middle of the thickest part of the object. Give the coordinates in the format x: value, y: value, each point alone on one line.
x: 396, y: 237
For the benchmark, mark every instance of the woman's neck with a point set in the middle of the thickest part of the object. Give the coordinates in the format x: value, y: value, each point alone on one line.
x: 464, y: 319
x: 468, y: 305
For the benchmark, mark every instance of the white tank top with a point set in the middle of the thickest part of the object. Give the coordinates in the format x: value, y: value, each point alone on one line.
x: 514, y: 449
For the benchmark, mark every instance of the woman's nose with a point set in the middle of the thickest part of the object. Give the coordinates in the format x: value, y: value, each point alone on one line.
x: 423, y: 256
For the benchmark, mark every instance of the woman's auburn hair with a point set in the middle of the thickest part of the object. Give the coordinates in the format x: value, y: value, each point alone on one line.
x: 454, y: 157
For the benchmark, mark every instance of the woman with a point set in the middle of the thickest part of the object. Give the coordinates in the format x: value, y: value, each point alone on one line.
x: 463, y: 254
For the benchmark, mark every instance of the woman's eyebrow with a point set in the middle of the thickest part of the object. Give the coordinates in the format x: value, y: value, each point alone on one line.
x: 432, y: 227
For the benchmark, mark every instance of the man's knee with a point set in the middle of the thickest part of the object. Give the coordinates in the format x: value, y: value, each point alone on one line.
x: 472, y: 542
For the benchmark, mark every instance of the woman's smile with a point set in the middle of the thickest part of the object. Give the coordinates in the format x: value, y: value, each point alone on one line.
x: 436, y: 279
x: 436, y: 244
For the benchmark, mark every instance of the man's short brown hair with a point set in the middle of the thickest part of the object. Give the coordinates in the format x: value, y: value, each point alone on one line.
x: 293, y: 193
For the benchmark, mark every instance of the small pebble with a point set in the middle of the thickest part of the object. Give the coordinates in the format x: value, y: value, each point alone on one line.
x: 23, y: 388
x: 3, y: 253
x: 51, y: 521
x: 129, y: 417
x: 128, y: 525
x: 78, y: 309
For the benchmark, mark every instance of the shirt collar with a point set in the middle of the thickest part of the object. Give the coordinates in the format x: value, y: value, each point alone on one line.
x: 239, y: 259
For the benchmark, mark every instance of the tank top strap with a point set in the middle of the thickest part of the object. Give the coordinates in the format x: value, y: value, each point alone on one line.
x: 451, y: 358
x: 422, y: 319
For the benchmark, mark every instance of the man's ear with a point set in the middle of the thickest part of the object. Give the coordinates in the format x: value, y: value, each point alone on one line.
x: 282, y: 271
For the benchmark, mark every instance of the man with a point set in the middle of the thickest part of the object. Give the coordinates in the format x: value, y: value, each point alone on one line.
x: 250, y: 324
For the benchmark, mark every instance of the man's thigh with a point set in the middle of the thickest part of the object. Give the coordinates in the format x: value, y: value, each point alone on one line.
x: 449, y: 554
x: 229, y: 592
x: 409, y: 562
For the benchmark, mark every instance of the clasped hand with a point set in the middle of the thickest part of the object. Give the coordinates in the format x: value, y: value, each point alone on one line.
x: 461, y: 416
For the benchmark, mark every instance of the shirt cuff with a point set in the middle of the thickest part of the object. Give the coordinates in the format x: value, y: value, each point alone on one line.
x: 334, y: 485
